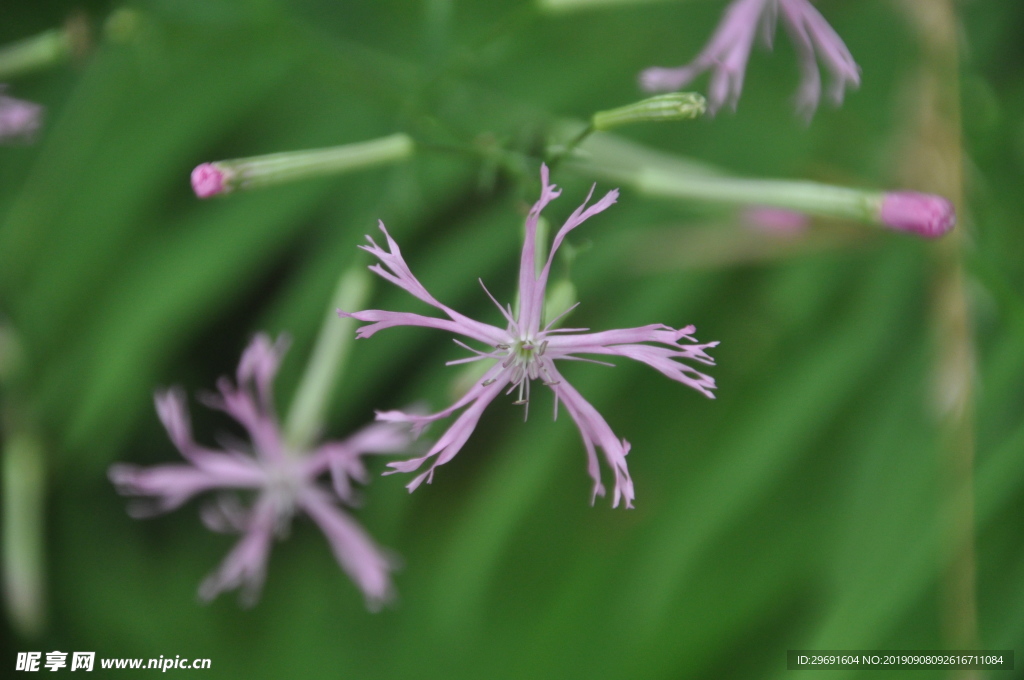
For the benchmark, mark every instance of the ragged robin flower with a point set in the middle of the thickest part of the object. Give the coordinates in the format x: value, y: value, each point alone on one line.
x: 284, y: 482
x: 526, y: 349
x: 727, y: 52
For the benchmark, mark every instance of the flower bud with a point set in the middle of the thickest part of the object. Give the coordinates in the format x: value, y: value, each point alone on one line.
x: 208, y: 180
x: 922, y: 214
x: 674, y: 106
x: 223, y: 177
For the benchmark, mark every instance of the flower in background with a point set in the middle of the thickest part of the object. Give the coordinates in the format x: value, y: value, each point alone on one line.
x: 285, y: 482
x: 729, y: 48
x: 526, y: 349
x: 18, y: 118
x: 775, y: 221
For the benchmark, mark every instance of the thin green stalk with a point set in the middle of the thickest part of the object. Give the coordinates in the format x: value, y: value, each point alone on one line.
x: 312, y: 398
x: 24, y: 507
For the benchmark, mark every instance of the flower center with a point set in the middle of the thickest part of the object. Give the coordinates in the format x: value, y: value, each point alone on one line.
x: 283, y: 486
x: 526, y: 361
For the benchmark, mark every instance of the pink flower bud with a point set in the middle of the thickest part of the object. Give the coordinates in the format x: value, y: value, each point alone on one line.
x: 923, y: 214
x: 208, y: 180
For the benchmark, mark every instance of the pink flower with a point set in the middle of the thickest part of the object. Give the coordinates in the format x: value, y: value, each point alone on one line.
x: 526, y: 349
x: 285, y: 482
x: 923, y: 214
x: 727, y: 53
x: 18, y: 118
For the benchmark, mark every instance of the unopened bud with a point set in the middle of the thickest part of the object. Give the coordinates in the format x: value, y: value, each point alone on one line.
x: 209, y: 179
x: 223, y: 177
x: 673, y: 106
x: 923, y: 214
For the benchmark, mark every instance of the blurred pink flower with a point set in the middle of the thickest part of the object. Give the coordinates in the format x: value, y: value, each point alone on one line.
x: 526, y: 350
x: 729, y: 48
x: 923, y: 214
x: 285, y: 481
x: 18, y: 118
x: 775, y: 221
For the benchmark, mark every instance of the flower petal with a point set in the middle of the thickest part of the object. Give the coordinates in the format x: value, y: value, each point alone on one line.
x: 530, y: 318
x: 626, y: 342
x: 530, y: 289
x: 242, y: 405
x: 380, y: 319
x: 171, y: 409
x: 344, y: 458
x: 18, y: 118
x: 365, y: 563
x: 245, y: 566
x: 173, y: 485
x: 259, y: 364
x: 595, y: 432
x: 393, y: 268
x: 726, y: 53
x: 452, y: 441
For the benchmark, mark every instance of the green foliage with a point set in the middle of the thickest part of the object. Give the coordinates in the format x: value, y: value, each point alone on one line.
x: 803, y: 508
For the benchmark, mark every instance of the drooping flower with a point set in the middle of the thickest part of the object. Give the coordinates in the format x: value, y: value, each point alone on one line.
x: 526, y: 349
x: 285, y: 482
x: 18, y: 118
x: 727, y: 52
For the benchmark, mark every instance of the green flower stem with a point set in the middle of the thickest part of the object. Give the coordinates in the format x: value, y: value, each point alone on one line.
x: 556, y: 6
x: 658, y: 174
x: 935, y: 159
x: 309, y: 408
x: 808, y: 197
x: 279, y: 168
x: 24, y: 478
x: 570, y: 146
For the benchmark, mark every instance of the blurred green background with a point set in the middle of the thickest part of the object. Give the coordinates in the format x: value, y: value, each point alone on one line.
x: 812, y: 505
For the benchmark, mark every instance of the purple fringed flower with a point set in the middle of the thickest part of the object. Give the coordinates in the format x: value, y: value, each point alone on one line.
x: 526, y: 349
x: 18, y: 118
x: 285, y: 481
x: 729, y: 48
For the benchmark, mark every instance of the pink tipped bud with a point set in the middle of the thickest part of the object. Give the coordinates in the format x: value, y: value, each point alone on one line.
x: 923, y: 214
x: 209, y: 180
